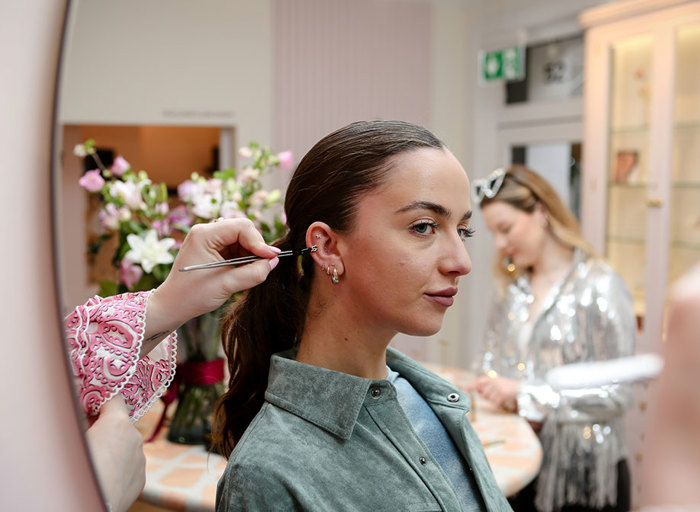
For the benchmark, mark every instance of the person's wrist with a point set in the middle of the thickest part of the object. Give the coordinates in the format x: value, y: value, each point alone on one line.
x: 161, y: 316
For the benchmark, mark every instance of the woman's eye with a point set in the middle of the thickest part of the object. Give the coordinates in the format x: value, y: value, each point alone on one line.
x: 465, y: 233
x: 425, y: 228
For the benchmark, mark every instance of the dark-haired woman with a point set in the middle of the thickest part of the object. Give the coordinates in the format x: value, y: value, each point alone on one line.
x: 557, y: 304
x: 320, y: 413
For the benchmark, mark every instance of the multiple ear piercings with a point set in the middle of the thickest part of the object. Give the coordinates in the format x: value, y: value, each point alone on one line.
x: 333, y: 273
x: 335, y: 279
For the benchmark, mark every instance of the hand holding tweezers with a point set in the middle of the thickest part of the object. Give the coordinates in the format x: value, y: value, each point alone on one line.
x: 246, y: 259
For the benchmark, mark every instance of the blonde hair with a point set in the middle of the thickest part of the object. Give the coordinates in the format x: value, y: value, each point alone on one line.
x: 524, y: 189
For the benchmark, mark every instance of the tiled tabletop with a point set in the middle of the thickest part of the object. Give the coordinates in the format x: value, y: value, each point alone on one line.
x: 184, y: 477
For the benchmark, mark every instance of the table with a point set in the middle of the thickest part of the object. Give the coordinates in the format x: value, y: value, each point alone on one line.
x: 184, y: 477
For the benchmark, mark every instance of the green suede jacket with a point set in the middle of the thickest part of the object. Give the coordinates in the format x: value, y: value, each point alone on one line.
x: 329, y: 441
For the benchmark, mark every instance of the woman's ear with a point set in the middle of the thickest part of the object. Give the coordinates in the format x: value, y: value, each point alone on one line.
x: 327, y: 256
x: 542, y: 215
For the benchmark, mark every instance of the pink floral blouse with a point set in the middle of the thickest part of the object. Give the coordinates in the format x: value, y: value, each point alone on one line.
x: 104, y: 338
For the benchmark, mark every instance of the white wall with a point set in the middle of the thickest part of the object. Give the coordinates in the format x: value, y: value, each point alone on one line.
x: 172, y: 62
x: 43, y: 460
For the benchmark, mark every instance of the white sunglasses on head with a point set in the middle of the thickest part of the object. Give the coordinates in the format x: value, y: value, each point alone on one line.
x: 489, y: 186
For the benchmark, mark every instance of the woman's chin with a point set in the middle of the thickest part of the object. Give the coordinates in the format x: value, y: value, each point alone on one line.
x: 423, y: 330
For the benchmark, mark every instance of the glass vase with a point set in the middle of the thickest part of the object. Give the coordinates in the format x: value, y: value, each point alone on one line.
x: 200, y: 378
x: 192, y: 421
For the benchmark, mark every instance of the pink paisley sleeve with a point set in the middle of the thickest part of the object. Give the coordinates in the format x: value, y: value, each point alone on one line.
x: 104, y: 340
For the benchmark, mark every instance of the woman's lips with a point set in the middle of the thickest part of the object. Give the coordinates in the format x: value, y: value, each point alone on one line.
x: 444, y: 300
x: 443, y: 297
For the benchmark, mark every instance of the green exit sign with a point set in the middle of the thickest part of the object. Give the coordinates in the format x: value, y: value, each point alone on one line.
x: 505, y: 64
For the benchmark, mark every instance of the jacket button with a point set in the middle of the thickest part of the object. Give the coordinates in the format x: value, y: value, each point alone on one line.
x: 375, y: 392
x: 453, y: 397
x: 423, y: 461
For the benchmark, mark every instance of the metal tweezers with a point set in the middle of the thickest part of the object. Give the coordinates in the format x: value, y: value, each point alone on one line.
x: 246, y: 259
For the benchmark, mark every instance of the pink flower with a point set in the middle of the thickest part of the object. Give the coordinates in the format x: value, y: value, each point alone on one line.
x: 161, y: 208
x: 286, y: 159
x: 213, y: 186
x: 109, y: 217
x: 187, y: 190
x: 120, y: 166
x: 180, y: 216
x: 162, y: 227
x: 129, y: 274
x: 248, y: 174
x: 92, y: 181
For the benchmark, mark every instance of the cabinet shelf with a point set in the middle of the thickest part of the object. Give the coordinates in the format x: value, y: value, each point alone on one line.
x: 620, y: 239
x: 632, y: 240
x: 637, y: 185
x: 642, y: 185
x: 687, y: 125
x: 692, y: 246
x: 619, y: 130
x: 686, y: 184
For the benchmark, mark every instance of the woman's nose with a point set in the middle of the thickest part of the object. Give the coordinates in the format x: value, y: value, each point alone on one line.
x: 456, y: 260
x: 499, y: 241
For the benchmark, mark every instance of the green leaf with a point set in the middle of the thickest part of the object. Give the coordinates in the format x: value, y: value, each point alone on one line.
x: 135, y: 227
x: 160, y: 272
x: 147, y: 282
x: 94, y: 247
x: 108, y: 288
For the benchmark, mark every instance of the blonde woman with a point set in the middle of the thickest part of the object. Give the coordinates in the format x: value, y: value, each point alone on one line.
x: 557, y: 303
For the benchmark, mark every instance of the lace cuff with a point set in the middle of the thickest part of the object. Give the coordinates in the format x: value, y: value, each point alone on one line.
x: 104, y: 338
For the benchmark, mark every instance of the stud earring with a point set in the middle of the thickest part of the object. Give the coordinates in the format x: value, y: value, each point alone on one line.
x: 335, y: 279
x: 318, y: 236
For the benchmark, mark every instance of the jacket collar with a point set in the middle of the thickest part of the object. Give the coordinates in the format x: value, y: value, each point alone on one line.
x: 332, y: 400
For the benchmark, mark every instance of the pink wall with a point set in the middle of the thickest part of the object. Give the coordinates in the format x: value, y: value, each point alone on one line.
x: 338, y: 61
x: 43, y: 459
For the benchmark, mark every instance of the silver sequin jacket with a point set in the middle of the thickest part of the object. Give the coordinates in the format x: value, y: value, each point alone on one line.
x: 588, y: 316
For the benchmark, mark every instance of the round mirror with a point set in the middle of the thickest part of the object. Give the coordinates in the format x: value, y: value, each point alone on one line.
x: 175, y: 88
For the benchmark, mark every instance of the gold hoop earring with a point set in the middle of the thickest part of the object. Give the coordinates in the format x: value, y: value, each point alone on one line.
x: 335, y: 279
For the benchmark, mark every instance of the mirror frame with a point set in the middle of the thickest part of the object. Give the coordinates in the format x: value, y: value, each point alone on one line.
x: 43, y: 432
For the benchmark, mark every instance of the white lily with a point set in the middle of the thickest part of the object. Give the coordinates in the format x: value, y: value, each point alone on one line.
x: 149, y: 251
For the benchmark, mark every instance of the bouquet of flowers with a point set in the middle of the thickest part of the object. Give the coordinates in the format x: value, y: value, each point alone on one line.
x: 148, y: 227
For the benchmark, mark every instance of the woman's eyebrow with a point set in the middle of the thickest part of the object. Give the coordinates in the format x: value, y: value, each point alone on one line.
x: 437, y: 208
x: 426, y: 205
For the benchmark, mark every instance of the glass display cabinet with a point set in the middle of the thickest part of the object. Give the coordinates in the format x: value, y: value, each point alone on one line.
x: 641, y: 162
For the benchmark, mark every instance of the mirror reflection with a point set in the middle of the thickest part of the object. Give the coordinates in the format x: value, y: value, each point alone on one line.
x: 180, y: 120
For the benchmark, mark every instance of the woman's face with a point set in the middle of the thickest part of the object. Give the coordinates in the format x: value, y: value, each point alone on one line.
x: 517, y: 234
x: 404, y: 255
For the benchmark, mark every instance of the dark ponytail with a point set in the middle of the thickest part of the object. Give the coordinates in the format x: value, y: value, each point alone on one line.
x: 326, y: 187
